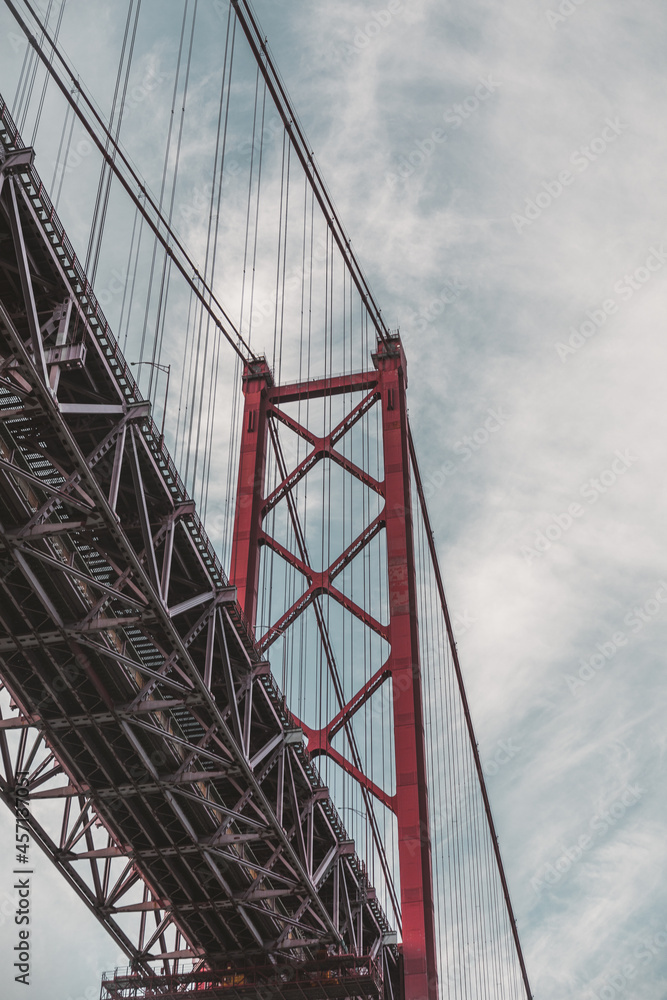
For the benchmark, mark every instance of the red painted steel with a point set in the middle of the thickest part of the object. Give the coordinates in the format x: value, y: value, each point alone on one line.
x: 414, y: 842
x: 257, y: 379
x: 386, y: 386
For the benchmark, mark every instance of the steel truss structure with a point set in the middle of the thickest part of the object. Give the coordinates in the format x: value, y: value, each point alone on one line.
x: 326, y: 979
x: 384, y: 387
x: 142, y: 709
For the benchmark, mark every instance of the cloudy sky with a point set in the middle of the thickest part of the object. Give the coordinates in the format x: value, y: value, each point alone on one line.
x: 500, y: 170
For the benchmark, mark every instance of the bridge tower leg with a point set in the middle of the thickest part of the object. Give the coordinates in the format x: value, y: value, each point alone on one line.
x: 388, y: 384
x: 244, y: 574
x: 414, y: 842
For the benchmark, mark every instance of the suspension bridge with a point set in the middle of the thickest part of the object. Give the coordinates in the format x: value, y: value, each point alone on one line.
x: 229, y: 677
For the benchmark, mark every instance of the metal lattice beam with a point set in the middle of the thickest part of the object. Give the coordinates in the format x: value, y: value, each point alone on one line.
x: 188, y: 815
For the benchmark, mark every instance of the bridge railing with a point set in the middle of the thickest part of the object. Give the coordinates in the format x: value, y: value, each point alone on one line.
x: 336, y: 976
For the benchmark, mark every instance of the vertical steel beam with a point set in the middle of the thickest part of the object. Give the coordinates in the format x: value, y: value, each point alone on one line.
x: 244, y: 575
x: 166, y: 561
x: 228, y: 677
x: 144, y: 518
x: 117, y: 468
x: 414, y: 843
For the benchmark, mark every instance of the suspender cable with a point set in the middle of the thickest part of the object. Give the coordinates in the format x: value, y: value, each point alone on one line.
x: 163, y: 183
x: 168, y: 237
x: 299, y: 142
x: 129, y: 298
x: 62, y: 164
x: 327, y: 651
x: 20, y: 86
x: 466, y: 710
x: 279, y: 255
x: 40, y: 107
x: 247, y: 219
x: 184, y: 383
x: 106, y: 175
x: 166, y: 263
x: 218, y: 171
x: 27, y: 79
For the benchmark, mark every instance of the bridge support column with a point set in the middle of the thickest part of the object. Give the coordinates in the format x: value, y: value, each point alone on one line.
x: 257, y: 379
x: 411, y: 799
x: 386, y: 387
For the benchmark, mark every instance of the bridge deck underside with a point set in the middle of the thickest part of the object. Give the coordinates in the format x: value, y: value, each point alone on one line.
x: 122, y: 644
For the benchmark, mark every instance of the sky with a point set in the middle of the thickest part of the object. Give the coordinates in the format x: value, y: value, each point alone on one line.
x: 499, y: 168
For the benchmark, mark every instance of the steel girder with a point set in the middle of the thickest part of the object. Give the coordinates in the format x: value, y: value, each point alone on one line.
x: 146, y: 715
